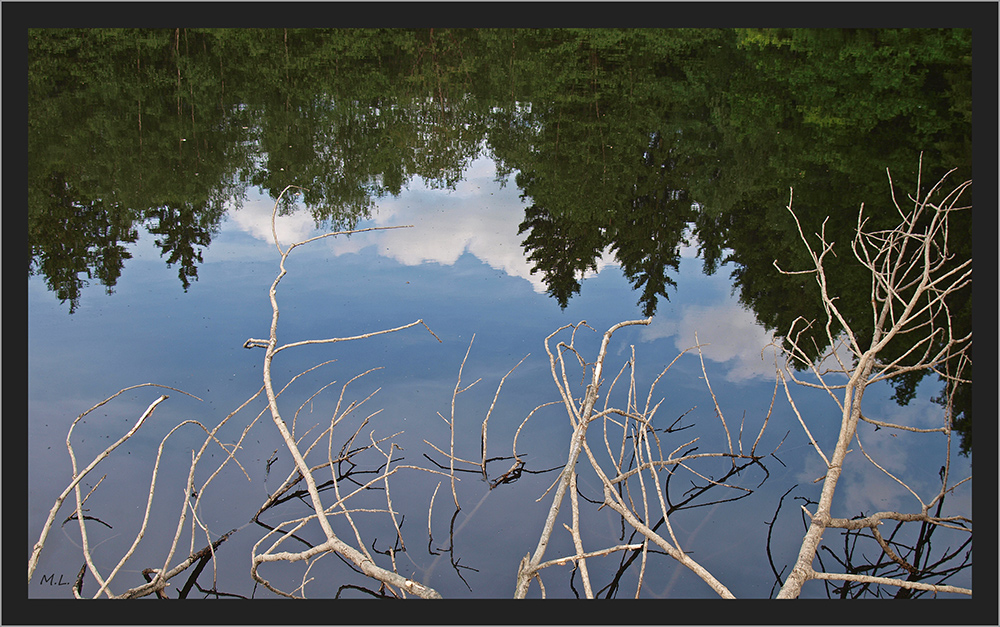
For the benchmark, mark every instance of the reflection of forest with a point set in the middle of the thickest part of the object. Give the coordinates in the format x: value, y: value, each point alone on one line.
x: 620, y: 138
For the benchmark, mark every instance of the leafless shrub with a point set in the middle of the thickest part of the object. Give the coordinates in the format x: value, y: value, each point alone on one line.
x: 912, y: 274
x: 630, y: 461
x: 306, y: 472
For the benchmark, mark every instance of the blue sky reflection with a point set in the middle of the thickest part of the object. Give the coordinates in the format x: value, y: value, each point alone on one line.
x: 462, y: 270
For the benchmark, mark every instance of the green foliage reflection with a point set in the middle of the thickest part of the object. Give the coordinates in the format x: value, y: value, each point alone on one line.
x: 634, y: 141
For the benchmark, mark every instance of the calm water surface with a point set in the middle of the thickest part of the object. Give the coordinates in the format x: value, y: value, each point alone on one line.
x: 465, y: 267
x: 457, y: 269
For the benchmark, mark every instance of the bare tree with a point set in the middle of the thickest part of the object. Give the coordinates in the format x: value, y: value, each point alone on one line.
x: 357, y: 554
x: 630, y: 464
x: 306, y: 472
x: 911, y: 279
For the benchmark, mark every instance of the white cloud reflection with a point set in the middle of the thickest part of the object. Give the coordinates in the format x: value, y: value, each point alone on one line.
x: 254, y: 218
x: 478, y: 217
x: 729, y: 334
x: 481, y: 218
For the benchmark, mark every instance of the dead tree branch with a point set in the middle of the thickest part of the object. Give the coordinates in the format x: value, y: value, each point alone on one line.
x: 912, y: 275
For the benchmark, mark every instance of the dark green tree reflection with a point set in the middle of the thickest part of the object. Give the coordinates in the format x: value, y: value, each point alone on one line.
x: 634, y: 141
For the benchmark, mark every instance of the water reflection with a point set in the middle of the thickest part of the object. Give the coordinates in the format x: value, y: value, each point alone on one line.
x: 356, y: 291
x: 628, y: 172
x: 613, y: 151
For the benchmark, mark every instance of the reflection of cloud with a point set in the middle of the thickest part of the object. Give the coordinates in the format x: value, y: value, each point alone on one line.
x: 478, y: 217
x: 864, y: 488
x: 731, y: 333
x: 690, y: 251
x: 922, y: 415
x: 910, y: 458
x: 254, y: 217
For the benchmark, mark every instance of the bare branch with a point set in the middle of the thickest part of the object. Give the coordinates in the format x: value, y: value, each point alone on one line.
x: 910, y: 284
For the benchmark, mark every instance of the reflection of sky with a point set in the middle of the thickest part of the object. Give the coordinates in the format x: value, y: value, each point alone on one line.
x: 478, y: 217
x: 461, y: 269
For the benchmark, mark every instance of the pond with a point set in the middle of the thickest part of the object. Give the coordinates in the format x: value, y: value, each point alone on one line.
x: 502, y: 185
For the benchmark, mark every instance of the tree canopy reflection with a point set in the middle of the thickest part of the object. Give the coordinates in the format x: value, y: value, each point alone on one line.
x: 633, y: 141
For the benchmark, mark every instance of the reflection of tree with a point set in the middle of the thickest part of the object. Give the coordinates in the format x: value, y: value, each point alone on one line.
x: 616, y: 135
x: 561, y: 248
x: 834, y: 108
x: 647, y: 237
x: 118, y: 121
x: 912, y: 273
x: 184, y: 228
x: 75, y: 236
x: 601, y: 155
x: 345, y: 486
x: 162, y: 118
